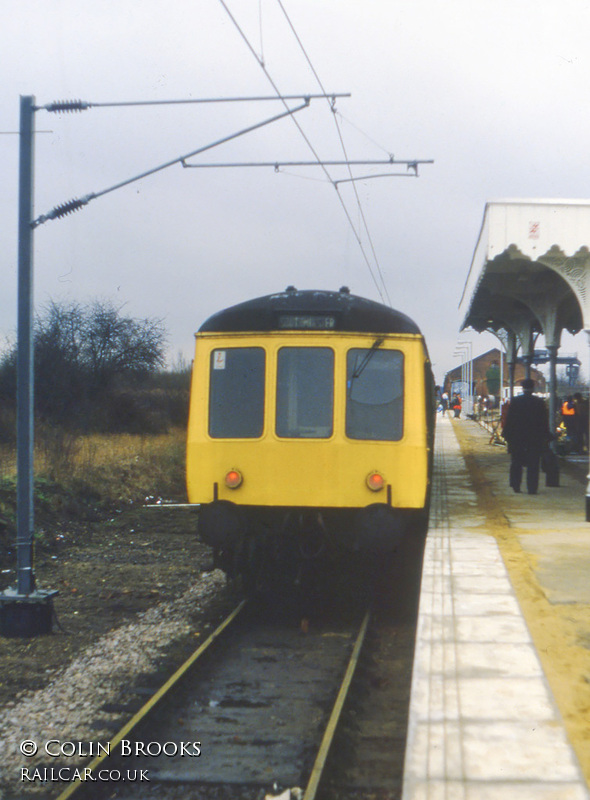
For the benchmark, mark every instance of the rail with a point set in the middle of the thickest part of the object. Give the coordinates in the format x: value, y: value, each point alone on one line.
x: 320, y: 762
x: 153, y: 701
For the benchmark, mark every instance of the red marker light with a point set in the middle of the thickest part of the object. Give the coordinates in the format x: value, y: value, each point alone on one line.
x: 375, y: 481
x: 233, y: 479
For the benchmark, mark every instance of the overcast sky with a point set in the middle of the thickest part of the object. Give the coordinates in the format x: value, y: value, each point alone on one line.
x: 496, y: 92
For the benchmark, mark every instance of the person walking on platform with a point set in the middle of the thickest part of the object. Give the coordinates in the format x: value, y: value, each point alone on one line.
x: 527, y: 432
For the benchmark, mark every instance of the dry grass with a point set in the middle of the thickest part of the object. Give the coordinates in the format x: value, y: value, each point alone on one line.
x: 114, y: 466
x: 7, y: 462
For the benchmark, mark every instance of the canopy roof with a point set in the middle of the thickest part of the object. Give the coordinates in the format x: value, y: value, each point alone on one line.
x: 530, y: 271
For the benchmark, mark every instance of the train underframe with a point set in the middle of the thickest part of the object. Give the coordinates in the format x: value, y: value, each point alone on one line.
x: 280, y: 549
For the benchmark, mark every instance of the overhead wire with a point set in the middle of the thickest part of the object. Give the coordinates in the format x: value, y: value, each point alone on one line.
x: 272, y: 83
x: 345, y: 153
x: 299, y: 176
x: 260, y: 30
x: 363, y: 133
x: 381, y: 289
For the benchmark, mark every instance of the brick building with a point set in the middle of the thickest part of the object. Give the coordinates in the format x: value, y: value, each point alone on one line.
x: 486, y: 375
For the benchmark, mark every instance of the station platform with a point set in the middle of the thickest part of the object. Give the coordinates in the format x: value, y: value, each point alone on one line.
x: 500, y: 699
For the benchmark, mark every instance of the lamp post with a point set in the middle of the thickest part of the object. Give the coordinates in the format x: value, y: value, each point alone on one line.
x: 463, y: 351
x: 469, y: 347
x: 462, y: 354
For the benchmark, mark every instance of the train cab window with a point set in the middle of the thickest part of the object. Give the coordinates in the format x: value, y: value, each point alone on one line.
x: 236, y: 394
x: 375, y: 393
x: 305, y: 392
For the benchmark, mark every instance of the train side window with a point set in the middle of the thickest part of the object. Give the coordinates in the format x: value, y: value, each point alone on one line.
x: 236, y: 393
x: 375, y: 394
x: 305, y: 392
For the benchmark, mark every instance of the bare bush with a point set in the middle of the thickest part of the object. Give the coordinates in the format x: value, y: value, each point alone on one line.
x: 83, y: 353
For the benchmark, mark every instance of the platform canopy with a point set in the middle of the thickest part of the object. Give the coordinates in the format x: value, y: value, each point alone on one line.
x: 530, y: 272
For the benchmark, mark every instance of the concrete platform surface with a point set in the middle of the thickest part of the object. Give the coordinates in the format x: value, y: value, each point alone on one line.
x: 485, y: 723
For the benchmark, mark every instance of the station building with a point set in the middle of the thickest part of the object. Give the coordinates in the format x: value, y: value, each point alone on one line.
x: 490, y: 373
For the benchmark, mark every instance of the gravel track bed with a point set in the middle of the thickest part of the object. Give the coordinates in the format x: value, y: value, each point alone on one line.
x: 74, y: 705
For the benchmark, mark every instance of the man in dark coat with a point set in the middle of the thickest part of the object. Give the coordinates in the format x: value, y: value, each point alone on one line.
x: 527, y: 432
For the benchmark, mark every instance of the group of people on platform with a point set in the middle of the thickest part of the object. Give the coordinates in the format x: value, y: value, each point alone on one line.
x: 527, y: 432
x: 454, y: 404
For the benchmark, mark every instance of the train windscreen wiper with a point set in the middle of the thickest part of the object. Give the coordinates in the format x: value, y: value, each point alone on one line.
x: 361, y: 367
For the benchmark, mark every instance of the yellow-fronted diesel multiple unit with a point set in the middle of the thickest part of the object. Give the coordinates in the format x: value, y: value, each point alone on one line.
x: 310, y: 429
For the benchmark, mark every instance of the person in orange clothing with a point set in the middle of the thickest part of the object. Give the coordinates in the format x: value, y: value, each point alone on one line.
x: 568, y: 414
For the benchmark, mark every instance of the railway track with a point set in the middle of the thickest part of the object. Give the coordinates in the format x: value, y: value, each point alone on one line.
x: 269, y: 703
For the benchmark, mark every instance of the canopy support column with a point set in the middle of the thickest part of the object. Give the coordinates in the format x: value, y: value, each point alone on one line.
x: 552, y: 350
x: 511, y: 370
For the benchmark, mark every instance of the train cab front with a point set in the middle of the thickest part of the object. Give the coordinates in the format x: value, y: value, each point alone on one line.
x: 307, y: 441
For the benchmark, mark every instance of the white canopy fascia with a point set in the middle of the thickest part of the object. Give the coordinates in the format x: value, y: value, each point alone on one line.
x: 534, y: 227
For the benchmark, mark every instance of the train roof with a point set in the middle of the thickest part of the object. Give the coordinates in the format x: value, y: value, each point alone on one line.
x: 310, y: 310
